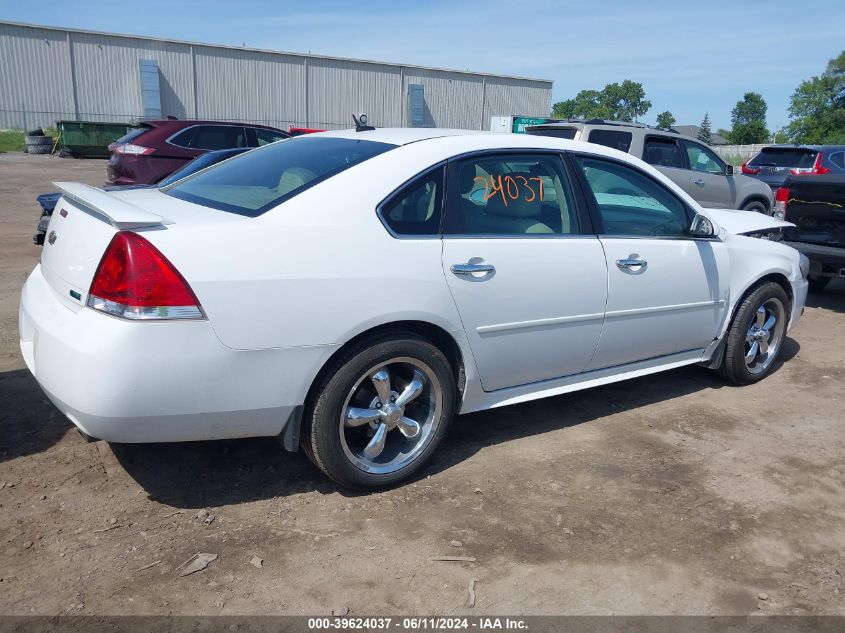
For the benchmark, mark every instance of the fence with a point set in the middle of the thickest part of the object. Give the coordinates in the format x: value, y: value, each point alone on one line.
x: 737, y: 154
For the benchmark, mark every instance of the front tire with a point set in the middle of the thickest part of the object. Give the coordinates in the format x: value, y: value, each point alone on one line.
x: 756, y: 335
x: 379, y: 411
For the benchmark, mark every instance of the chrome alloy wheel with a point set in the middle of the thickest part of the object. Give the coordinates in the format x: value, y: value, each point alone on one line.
x: 764, y: 336
x: 390, y: 415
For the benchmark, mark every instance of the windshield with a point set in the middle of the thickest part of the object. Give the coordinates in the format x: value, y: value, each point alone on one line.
x: 787, y: 157
x: 259, y: 180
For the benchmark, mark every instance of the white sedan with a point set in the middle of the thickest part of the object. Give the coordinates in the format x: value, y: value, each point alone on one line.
x: 350, y: 292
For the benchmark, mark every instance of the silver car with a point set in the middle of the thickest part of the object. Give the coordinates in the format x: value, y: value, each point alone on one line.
x: 685, y: 160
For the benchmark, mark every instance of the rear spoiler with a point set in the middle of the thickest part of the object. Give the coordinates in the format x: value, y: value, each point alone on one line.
x: 120, y: 214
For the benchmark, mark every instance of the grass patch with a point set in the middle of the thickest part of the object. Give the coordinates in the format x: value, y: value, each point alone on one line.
x: 11, y: 141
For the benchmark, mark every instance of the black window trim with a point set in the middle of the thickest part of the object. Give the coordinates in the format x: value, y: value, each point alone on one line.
x: 401, y: 189
x: 585, y: 223
x: 674, y: 139
x: 596, y: 215
x: 719, y: 160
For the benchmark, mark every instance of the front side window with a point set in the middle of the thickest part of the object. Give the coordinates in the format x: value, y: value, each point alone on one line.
x: 416, y: 209
x: 511, y: 194
x: 703, y: 159
x: 616, y: 139
x: 630, y: 202
x: 257, y: 181
x: 662, y: 152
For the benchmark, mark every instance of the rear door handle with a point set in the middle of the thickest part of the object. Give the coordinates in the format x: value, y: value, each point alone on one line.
x: 630, y: 263
x: 699, y: 182
x: 469, y: 269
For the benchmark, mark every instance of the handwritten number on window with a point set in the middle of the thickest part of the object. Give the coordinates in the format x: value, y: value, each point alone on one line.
x: 511, y: 188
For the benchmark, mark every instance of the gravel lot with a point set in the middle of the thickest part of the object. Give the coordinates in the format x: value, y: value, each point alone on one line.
x: 667, y: 494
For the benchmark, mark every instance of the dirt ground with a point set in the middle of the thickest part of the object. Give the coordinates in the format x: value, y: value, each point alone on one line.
x: 669, y: 494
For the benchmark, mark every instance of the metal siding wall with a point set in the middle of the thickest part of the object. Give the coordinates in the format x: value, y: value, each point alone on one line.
x: 35, y: 79
x: 516, y: 96
x: 108, y: 80
x: 235, y: 84
x: 250, y: 86
x: 338, y: 89
x: 452, y: 100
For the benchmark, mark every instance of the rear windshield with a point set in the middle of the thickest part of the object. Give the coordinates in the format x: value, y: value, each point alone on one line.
x: 784, y: 157
x: 134, y: 133
x: 557, y: 132
x: 259, y: 180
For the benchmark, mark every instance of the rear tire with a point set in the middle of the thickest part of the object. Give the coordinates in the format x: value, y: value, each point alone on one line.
x: 379, y: 411
x: 756, y: 205
x: 818, y: 284
x: 756, y: 335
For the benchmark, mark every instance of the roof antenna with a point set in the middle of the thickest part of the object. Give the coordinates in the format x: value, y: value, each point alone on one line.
x: 361, y: 123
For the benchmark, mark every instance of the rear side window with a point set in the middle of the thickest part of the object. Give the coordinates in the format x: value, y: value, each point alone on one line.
x: 214, y: 137
x: 257, y: 181
x: 612, y: 138
x: 662, y: 152
x: 556, y: 132
x: 416, y: 209
x: 787, y: 157
x: 511, y: 195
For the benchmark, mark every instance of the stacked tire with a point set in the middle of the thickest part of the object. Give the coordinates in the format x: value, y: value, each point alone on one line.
x: 37, y: 143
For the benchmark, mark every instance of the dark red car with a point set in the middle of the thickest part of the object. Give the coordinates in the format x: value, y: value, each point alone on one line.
x: 155, y: 149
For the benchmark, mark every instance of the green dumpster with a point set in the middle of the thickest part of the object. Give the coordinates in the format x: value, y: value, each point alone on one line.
x: 89, y: 139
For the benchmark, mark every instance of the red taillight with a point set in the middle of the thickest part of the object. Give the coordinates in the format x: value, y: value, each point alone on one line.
x: 130, y: 149
x: 135, y: 281
x: 749, y: 170
x: 815, y: 170
x: 781, y: 200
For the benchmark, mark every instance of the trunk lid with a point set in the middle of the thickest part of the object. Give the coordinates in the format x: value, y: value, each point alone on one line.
x: 82, y: 225
x: 816, y: 207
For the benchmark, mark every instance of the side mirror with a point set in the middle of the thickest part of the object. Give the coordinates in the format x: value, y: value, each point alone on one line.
x: 702, y: 227
x: 729, y: 170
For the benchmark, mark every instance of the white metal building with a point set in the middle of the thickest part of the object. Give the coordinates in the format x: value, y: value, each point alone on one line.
x: 49, y: 74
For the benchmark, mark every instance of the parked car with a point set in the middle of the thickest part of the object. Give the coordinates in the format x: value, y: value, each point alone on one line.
x: 299, y: 131
x: 48, y: 201
x: 688, y: 162
x: 350, y: 291
x: 155, y: 149
x: 815, y: 205
x: 775, y: 164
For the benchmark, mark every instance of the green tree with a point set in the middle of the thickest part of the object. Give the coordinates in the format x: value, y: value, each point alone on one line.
x: 622, y: 102
x: 817, y: 107
x: 665, y: 120
x: 704, y: 134
x: 748, y: 120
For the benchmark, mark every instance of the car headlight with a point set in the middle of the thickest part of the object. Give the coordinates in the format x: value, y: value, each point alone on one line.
x: 803, y: 264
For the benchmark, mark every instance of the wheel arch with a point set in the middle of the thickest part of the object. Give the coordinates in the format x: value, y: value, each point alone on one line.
x: 777, y: 277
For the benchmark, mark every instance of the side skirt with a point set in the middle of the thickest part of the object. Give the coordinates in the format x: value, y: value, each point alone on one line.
x: 479, y: 400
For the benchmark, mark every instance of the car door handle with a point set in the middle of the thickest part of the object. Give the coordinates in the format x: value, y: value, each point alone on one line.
x: 630, y: 263
x: 699, y: 182
x: 469, y: 269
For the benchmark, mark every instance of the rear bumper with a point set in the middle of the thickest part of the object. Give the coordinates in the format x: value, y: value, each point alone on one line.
x: 157, y: 382
x: 826, y: 261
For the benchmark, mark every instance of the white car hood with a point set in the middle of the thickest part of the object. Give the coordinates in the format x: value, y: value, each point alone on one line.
x: 740, y: 222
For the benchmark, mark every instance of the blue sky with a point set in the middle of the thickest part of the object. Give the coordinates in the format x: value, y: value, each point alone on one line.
x: 690, y: 57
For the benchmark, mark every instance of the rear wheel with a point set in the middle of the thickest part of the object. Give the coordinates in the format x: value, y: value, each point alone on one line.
x: 380, y: 411
x: 755, y: 205
x: 818, y: 284
x: 756, y: 335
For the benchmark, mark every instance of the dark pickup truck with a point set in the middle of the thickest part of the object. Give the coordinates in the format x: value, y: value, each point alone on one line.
x: 816, y: 206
